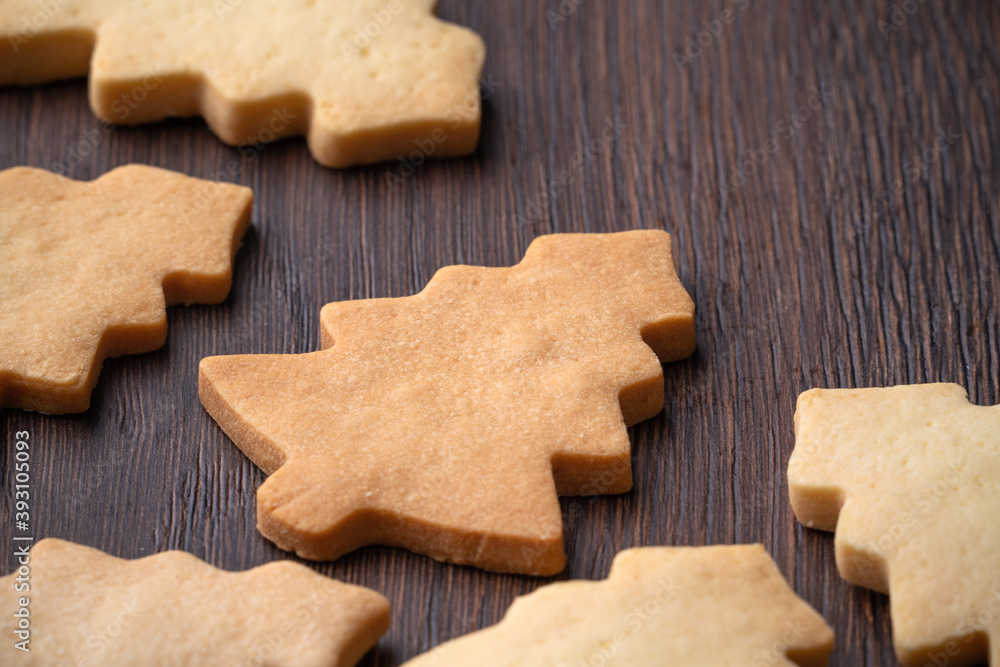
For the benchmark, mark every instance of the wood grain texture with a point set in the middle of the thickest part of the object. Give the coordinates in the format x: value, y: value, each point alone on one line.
x: 854, y: 242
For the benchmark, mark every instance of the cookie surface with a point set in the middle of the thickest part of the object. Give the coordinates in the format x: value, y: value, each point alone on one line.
x: 725, y: 606
x: 365, y: 80
x: 909, y: 477
x: 447, y: 422
x: 89, y: 608
x: 86, y: 270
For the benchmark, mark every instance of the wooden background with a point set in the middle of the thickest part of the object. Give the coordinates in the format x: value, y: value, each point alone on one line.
x: 832, y: 191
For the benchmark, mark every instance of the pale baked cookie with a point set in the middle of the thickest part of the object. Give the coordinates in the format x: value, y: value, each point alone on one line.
x: 86, y: 270
x: 909, y: 477
x: 724, y: 606
x: 85, y: 607
x: 448, y: 422
x: 365, y: 80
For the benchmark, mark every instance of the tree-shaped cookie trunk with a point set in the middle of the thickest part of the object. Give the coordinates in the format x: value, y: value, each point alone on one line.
x: 447, y: 422
x: 365, y: 80
x: 909, y: 477
x: 87, y: 270
x: 724, y: 606
x: 88, y: 608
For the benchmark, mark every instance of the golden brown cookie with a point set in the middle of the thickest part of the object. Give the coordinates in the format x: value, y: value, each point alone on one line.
x: 725, y: 606
x: 85, y: 608
x: 909, y: 477
x: 365, y: 80
x: 448, y: 422
x: 86, y: 270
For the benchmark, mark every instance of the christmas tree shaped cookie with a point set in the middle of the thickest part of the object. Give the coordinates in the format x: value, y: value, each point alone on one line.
x: 84, y: 607
x: 449, y: 421
x: 724, y: 606
x: 365, y: 80
x: 909, y: 477
x: 86, y: 270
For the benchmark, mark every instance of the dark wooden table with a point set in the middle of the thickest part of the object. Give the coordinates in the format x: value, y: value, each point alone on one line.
x: 829, y: 172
